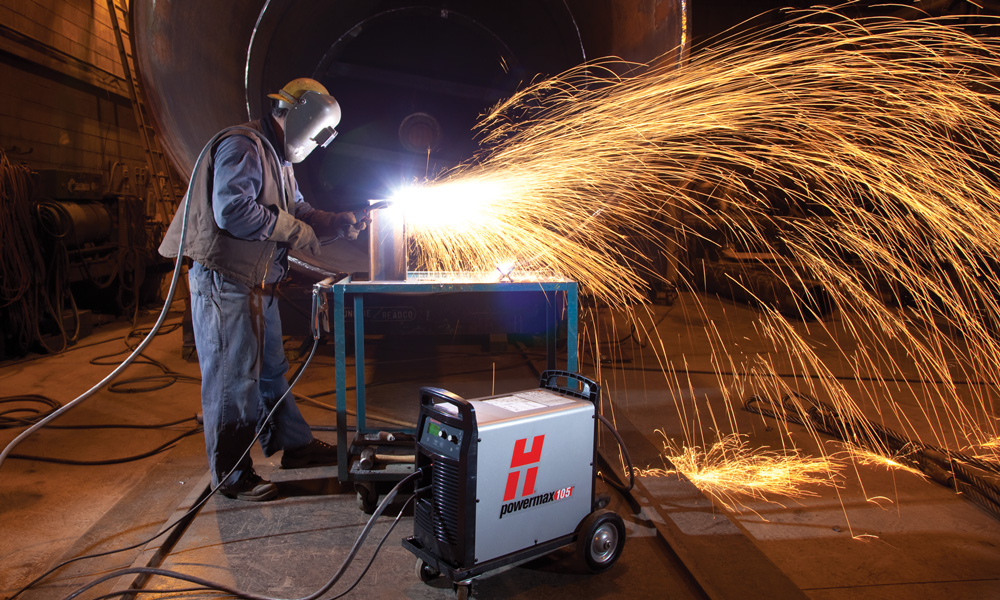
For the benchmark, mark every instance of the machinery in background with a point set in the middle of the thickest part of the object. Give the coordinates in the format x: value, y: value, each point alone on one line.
x: 91, y: 250
x: 509, y: 478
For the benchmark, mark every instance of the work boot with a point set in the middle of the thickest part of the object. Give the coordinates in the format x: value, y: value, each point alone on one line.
x: 314, y: 454
x: 252, y: 488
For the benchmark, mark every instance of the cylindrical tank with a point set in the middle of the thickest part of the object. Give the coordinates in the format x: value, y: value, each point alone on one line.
x: 412, y: 78
x: 387, y: 249
x: 75, y: 223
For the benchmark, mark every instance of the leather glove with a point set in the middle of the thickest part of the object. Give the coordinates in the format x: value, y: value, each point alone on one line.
x: 330, y: 224
x: 297, y: 234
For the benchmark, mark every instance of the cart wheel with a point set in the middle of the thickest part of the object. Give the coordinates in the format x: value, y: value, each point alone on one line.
x: 425, y: 572
x: 463, y: 590
x: 601, y: 540
x: 367, y: 498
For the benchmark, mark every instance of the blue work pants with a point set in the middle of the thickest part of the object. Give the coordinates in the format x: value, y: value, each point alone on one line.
x: 237, y: 332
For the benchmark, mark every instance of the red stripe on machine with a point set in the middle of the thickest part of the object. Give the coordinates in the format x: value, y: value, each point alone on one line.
x: 520, y: 458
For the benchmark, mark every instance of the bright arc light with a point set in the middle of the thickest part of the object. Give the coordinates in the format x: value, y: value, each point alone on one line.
x: 456, y: 205
x: 506, y: 267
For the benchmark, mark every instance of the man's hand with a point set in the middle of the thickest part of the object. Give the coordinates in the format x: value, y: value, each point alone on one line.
x: 297, y: 234
x: 330, y: 224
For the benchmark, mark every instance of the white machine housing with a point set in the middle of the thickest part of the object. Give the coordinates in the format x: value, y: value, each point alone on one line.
x: 536, y: 471
x: 505, y: 476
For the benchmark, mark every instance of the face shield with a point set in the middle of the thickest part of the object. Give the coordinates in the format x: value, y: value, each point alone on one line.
x: 310, y: 123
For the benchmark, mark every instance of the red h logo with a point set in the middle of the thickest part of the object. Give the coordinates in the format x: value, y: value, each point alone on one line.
x: 519, y: 459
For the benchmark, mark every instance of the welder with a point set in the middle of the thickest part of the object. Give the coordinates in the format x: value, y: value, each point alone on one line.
x: 246, y: 213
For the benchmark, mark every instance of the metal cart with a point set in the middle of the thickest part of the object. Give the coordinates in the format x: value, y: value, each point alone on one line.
x: 355, y: 457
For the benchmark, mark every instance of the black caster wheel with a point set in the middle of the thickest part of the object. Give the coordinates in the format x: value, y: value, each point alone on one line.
x: 425, y: 572
x: 601, y: 539
x: 367, y: 498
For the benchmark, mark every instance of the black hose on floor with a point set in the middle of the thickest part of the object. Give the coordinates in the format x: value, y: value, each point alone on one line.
x: 208, y: 584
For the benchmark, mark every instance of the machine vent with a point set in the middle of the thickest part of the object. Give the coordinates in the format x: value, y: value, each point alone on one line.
x: 446, y: 486
x: 423, y: 515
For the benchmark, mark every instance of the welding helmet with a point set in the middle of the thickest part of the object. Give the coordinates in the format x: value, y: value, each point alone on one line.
x: 312, y: 117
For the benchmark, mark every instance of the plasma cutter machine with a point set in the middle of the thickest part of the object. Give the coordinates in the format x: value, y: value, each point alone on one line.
x: 509, y: 478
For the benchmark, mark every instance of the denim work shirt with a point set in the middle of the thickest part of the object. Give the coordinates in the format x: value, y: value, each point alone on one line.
x: 237, y: 183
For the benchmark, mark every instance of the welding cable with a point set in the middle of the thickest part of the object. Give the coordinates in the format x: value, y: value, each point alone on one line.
x: 109, y: 461
x: 78, y: 347
x: 138, y: 351
x: 8, y: 421
x: 135, y: 591
x: 54, y: 219
x: 204, y: 499
x: 389, y: 498
x: 127, y: 425
x: 378, y: 548
x: 57, y: 277
x: 11, y: 418
x: 615, y: 481
x: 154, y: 382
x: 23, y: 281
x: 166, y: 304
x: 124, y: 365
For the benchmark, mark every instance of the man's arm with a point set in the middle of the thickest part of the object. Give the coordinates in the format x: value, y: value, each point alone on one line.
x: 327, y: 224
x: 237, y: 183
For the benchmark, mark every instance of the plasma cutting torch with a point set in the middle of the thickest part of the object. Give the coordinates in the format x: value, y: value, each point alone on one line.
x: 360, y: 215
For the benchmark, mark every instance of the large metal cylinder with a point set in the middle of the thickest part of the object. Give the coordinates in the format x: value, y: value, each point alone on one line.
x: 75, y: 223
x: 411, y: 77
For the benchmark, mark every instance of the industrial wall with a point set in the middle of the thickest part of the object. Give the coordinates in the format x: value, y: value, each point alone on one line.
x: 78, y: 225
x: 65, y: 103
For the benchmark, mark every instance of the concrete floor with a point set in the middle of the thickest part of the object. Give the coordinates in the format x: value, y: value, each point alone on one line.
x: 882, y: 534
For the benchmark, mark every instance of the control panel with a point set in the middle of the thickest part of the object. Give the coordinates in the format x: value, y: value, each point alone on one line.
x: 441, y: 438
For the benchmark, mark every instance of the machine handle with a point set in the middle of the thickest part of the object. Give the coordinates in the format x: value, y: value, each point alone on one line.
x: 589, y: 389
x: 428, y: 396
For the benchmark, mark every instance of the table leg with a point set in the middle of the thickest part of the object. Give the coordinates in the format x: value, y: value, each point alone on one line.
x: 340, y: 350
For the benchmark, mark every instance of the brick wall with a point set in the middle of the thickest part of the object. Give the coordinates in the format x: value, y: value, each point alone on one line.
x: 64, y: 103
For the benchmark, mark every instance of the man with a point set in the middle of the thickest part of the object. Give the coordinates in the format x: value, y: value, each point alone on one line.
x: 245, y: 213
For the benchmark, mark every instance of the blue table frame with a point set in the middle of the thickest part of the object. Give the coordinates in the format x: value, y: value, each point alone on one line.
x: 420, y: 282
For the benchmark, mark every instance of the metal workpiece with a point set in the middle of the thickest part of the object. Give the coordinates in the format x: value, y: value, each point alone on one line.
x: 387, y: 248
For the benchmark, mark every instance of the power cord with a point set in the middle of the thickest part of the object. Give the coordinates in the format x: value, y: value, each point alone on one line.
x: 9, y: 418
x: 208, y: 584
x: 166, y: 303
x: 151, y: 383
x: 357, y: 579
x: 194, y: 509
x: 111, y: 461
x: 615, y: 481
x: 138, y: 351
x: 21, y: 416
